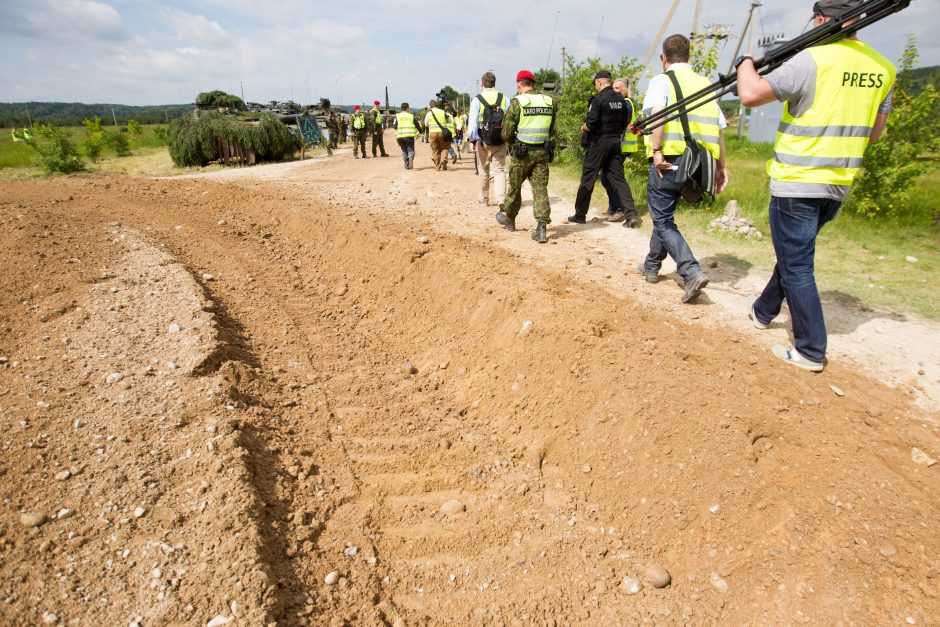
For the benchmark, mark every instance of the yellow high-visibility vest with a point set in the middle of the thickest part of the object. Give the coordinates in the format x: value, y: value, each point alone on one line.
x: 535, y: 119
x: 825, y: 144
x: 703, y: 121
x: 378, y: 117
x: 443, y: 119
x: 630, y: 142
x: 490, y: 96
x: 406, y: 125
x: 359, y: 121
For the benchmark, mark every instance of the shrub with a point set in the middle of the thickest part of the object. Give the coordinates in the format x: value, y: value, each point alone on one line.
x: 93, y: 144
x: 893, y: 163
x: 134, y: 127
x: 117, y: 142
x: 55, y: 150
x: 195, y: 142
x: 217, y: 98
x: 160, y: 133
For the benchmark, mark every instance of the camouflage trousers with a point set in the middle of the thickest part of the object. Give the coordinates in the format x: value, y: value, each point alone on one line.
x: 533, y: 166
x: 359, y: 141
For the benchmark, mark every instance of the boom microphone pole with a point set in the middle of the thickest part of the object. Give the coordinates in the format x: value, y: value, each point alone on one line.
x: 866, y: 14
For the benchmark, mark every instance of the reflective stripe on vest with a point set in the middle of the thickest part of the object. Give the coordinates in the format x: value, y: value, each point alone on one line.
x: 630, y: 142
x: 359, y: 121
x: 433, y: 126
x: 825, y: 144
x: 490, y: 96
x: 535, y: 119
x: 406, y: 125
x: 703, y: 120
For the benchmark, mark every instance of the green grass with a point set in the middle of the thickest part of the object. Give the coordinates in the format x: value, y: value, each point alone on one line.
x: 859, y: 261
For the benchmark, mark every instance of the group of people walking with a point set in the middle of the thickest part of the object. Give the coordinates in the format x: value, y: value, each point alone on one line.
x: 827, y: 124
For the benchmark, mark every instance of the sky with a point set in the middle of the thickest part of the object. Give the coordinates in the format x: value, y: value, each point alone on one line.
x: 149, y: 52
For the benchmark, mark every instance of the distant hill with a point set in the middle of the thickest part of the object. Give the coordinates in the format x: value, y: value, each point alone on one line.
x: 921, y: 76
x: 13, y: 114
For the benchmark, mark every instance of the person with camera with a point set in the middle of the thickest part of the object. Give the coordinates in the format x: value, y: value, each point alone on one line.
x: 438, y: 124
x: 607, y: 118
x: 665, y: 147
x: 529, y: 130
x: 486, y: 134
x: 838, y: 97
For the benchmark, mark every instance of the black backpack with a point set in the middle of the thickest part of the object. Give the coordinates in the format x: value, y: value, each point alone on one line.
x: 491, y: 128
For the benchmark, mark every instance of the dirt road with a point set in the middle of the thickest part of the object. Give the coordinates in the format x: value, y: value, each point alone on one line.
x: 277, y: 402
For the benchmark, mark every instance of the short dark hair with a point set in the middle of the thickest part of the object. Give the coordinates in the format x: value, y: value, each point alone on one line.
x: 489, y: 79
x: 404, y: 106
x: 676, y: 48
x: 528, y: 82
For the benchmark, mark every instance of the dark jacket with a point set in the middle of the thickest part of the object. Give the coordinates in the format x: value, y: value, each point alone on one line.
x: 608, y: 114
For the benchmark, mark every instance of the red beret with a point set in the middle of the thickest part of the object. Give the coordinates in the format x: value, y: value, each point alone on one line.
x: 525, y: 74
x: 376, y: 102
x: 355, y: 107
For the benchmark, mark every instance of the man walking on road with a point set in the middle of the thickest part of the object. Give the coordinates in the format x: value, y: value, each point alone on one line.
x: 529, y: 128
x: 436, y: 122
x: 664, y: 148
x: 359, y: 128
x: 485, y: 133
x: 838, y: 97
x: 406, y: 129
x: 607, y: 118
x: 378, y: 130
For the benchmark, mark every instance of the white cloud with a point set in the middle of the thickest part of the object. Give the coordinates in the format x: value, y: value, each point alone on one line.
x: 71, y: 21
x: 197, y: 29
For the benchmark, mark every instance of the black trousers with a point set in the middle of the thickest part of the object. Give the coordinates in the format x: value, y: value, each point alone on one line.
x: 626, y: 204
x: 603, y: 156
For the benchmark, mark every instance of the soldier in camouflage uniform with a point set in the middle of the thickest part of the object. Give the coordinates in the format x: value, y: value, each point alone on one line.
x: 529, y: 130
x: 361, y: 129
x: 333, y: 126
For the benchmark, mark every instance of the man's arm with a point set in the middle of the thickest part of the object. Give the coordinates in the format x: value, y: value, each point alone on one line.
x: 593, y: 116
x: 721, y: 175
x: 473, y: 129
x: 511, y: 121
x: 753, y: 89
x: 656, y: 141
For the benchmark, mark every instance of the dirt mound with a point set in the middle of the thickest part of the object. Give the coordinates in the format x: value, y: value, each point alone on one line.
x: 411, y: 431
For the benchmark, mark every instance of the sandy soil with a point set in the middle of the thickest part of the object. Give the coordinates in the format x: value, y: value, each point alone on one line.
x: 277, y: 403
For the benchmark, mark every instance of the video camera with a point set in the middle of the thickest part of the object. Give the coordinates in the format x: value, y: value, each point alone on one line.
x: 441, y: 98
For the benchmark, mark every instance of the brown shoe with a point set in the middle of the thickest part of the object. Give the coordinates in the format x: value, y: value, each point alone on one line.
x: 617, y: 216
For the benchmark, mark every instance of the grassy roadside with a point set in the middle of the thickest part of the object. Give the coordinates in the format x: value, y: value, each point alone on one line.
x: 858, y: 261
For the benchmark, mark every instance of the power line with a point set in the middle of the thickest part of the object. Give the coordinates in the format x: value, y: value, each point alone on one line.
x: 552, y: 44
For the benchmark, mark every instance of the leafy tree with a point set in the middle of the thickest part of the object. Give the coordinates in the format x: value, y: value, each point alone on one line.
x: 93, y: 144
x: 134, y: 128
x: 55, y: 150
x: 546, y: 75
x: 118, y: 143
x: 577, y: 89
x: 893, y: 163
x: 454, y: 97
x: 703, y: 57
x: 160, y: 133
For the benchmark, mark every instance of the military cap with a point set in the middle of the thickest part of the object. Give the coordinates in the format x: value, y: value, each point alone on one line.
x: 525, y: 74
x: 602, y: 74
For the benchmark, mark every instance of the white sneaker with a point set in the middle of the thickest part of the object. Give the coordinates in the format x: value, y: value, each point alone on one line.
x: 792, y: 356
x: 753, y: 316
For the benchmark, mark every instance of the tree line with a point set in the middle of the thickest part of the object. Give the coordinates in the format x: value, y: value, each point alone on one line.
x: 19, y: 114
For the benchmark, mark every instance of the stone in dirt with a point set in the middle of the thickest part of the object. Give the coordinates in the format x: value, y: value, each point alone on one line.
x: 114, y: 377
x: 174, y: 328
x: 139, y: 512
x: 331, y: 578
x: 409, y: 368
x: 657, y: 576
x: 922, y: 458
x: 50, y: 618
x: 453, y: 507
x: 62, y: 475
x: 631, y: 585
x: 34, y: 519
x: 837, y: 390
x: 423, y: 239
x: 207, y: 277
x: 411, y: 201
x: 218, y: 621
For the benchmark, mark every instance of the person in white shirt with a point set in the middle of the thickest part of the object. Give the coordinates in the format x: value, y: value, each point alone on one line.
x: 488, y: 144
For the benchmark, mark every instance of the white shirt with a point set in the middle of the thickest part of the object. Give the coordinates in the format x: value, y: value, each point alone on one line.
x: 657, y: 94
x: 474, y: 122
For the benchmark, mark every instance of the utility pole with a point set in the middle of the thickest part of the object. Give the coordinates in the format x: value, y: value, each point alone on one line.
x: 29, y: 118
x: 695, y: 20
x: 747, y: 24
x: 113, y: 117
x: 750, y: 50
x: 597, y: 44
x: 659, y: 35
x: 562, y: 66
x: 241, y: 88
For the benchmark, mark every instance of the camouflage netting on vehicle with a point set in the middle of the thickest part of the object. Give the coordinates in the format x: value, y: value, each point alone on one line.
x: 214, y: 136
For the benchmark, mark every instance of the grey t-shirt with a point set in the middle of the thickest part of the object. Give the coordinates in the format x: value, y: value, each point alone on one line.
x: 794, y: 82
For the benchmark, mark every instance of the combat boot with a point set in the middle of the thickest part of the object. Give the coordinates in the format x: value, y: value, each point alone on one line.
x: 508, y: 223
x: 539, y: 234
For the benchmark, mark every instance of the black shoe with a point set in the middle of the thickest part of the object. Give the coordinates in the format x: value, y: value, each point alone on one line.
x: 694, y: 286
x: 384, y: 155
x: 650, y: 277
x: 508, y: 223
x: 355, y: 156
x: 539, y: 234
x: 632, y: 223
x: 576, y: 219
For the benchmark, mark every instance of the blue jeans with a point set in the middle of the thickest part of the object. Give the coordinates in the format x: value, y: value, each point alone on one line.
x: 663, y: 196
x: 407, y: 149
x: 794, y: 223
